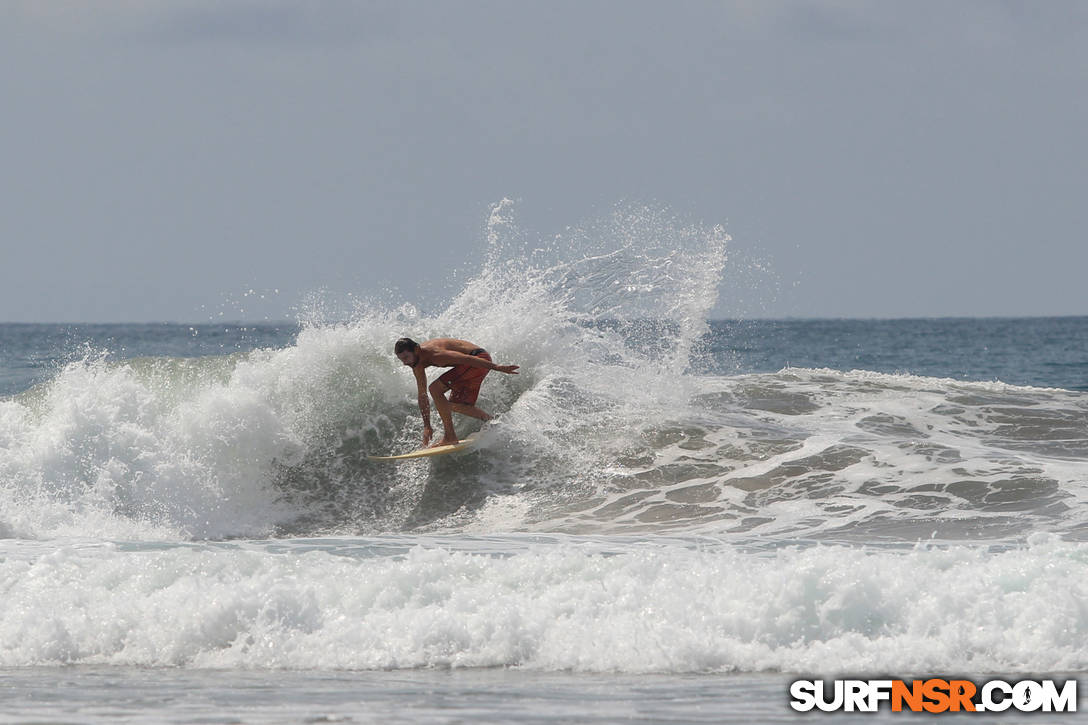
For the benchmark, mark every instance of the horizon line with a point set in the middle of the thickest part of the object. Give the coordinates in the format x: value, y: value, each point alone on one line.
x: 787, y: 318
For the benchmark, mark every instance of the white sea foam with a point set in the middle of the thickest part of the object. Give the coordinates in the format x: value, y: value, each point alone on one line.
x: 576, y: 605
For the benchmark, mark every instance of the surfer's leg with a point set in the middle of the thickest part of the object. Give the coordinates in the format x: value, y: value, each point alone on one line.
x: 438, y: 393
x: 470, y: 410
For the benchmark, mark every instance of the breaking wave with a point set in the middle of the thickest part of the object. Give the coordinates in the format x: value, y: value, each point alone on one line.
x: 610, y: 428
x: 548, y: 604
x: 626, y: 510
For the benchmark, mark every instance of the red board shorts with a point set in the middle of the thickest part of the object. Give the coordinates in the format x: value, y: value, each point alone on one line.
x: 464, y: 380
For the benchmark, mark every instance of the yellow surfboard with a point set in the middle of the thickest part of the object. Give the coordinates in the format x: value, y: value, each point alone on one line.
x: 428, y: 452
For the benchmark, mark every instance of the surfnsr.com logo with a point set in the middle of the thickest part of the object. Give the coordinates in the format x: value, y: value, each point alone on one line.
x: 934, y: 695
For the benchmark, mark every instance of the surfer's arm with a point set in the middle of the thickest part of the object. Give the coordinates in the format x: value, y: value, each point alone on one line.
x: 424, y: 402
x: 449, y: 358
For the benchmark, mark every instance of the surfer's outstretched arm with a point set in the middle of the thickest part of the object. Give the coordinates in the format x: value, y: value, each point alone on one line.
x: 424, y: 402
x: 452, y: 357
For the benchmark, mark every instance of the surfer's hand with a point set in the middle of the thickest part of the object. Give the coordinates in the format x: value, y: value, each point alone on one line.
x: 427, y: 433
x: 508, y: 369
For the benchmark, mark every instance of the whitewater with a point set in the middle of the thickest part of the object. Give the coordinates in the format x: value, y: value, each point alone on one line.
x: 651, y: 526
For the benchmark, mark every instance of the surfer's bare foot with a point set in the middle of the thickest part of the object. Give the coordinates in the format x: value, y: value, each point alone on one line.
x: 447, y: 441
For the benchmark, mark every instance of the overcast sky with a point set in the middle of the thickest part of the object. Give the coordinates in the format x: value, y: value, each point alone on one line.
x: 885, y: 159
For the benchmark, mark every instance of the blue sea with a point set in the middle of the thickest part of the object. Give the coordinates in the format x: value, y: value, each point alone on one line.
x: 669, y: 519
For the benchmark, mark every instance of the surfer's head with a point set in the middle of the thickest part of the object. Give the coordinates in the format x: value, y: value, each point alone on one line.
x: 407, y: 350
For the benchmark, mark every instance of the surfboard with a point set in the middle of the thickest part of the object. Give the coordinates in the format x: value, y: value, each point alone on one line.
x: 428, y: 452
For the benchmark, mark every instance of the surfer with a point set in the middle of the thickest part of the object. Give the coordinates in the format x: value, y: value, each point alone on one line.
x: 469, y: 365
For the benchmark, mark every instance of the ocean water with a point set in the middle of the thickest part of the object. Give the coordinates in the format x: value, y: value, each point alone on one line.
x: 669, y: 519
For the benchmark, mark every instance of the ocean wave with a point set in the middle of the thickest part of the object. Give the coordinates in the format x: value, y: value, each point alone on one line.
x: 609, y: 428
x: 567, y: 605
x: 274, y: 441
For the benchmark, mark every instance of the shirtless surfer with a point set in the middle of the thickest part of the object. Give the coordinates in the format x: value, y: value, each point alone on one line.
x: 469, y: 364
